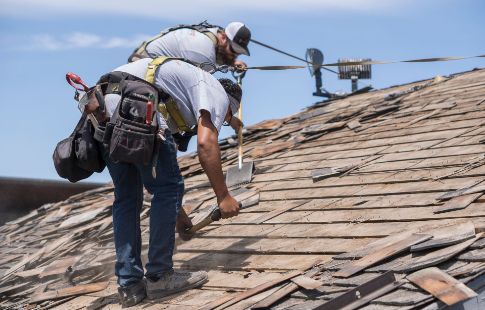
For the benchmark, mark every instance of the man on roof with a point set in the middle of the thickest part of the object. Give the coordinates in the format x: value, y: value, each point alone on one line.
x: 202, y: 43
x: 202, y: 101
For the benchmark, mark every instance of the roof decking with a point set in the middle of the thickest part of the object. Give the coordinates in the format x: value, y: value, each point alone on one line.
x: 408, y: 146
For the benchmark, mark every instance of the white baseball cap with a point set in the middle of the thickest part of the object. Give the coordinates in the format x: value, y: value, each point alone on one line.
x: 239, y: 36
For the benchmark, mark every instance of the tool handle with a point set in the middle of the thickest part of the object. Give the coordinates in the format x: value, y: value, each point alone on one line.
x: 74, y: 79
x: 213, y: 217
x: 240, y: 140
x: 148, y: 116
x: 240, y: 116
x: 216, y: 215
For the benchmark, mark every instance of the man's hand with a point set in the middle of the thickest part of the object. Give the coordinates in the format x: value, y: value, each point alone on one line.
x: 229, y: 207
x: 236, y: 124
x: 240, y: 66
x: 183, y: 224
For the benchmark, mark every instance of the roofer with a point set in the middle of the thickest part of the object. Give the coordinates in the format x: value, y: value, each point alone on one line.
x: 202, y: 43
x: 200, y: 100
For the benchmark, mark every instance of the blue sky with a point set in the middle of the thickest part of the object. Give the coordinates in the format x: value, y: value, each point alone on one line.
x: 42, y: 40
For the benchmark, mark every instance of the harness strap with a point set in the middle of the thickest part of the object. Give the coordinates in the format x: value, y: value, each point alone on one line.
x: 140, y: 52
x: 167, y: 107
x: 211, y: 36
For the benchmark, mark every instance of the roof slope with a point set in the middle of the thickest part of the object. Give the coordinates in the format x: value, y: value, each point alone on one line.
x: 329, y: 181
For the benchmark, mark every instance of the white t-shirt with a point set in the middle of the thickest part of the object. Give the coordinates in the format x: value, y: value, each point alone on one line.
x: 193, y: 90
x: 186, y: 43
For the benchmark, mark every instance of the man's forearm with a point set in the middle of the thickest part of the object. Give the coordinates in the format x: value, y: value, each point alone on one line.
x: 210, y: 158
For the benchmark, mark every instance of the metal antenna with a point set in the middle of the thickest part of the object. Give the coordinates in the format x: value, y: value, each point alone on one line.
x: 314, y: 58
x: 354, y: 72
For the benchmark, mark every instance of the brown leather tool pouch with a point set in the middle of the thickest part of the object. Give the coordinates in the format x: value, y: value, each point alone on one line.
x: 94, y: 103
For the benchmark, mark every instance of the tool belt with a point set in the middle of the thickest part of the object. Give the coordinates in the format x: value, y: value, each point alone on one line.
x: 130, y: 134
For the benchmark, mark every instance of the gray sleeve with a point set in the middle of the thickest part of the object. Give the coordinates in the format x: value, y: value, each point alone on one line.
x: 193, y: 90
x: 211, y: 98
x: 186, y: 43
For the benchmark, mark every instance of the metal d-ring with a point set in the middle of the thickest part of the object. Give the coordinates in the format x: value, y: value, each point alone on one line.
x: 238, y: 76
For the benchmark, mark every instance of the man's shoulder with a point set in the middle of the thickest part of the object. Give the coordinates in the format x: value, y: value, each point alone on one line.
x: 192, y: 76
x: 136, y: 68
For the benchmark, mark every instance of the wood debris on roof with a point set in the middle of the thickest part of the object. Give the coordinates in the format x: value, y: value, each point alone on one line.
x: 351, y: 197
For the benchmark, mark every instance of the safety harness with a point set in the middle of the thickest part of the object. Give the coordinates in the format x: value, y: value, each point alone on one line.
x: 110, y: 84
x: 116, y: 83
x: 140, y: 52
x: 167, y: 106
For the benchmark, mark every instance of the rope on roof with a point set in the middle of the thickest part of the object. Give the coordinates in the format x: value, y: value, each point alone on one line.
x: 368, y: 62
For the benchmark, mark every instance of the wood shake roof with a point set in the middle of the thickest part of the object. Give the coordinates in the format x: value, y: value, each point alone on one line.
x: 384, y: 185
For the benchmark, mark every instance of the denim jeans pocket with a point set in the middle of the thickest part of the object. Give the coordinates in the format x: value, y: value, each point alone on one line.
x: 167, y: 156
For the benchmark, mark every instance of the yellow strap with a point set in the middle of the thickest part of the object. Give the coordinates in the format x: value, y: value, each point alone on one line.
x: 211, y: 36
x: 169, y: 109
x: 141, y: 51
x: 152, y: 68
x: 175, y: 114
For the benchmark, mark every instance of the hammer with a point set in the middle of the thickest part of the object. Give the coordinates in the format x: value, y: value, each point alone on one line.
x: 214, y: 216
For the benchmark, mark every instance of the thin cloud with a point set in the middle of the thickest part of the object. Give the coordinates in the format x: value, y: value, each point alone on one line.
x: 79, y: 40
x: 190, y: 8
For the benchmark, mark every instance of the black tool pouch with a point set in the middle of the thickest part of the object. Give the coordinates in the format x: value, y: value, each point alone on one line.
x: 87, y: 150
x: 66, y: 162
x: 130, y: 138
x: 182, y: 140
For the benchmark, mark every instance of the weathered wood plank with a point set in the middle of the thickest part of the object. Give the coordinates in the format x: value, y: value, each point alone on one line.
x: 223, y: 303
x: 227, y: 261
x: 374, y: 246
x: 238, y: 280
x: 457, y: 203
x: 462, y: 191
x: 441, y: 285
x: 284, y: 291
x: 475, y: 210
x: 354, y: 229
x: 59, y: 266
x: 447, y: 235
x: 473, y: 256
x: 284, y: 190
x: 438, y: 256
x: 397, y: 134
x: 306, y: 282
x: 380, y: 254
x: 402, y: 298
x: 70, y: 291
x: 269, y: 215
x: 272, y: 246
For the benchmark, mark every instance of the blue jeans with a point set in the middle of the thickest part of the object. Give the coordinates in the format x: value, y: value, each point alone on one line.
x: 167, y: 189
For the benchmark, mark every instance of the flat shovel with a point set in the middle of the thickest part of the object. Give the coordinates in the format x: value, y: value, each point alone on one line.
x: 243, y: 172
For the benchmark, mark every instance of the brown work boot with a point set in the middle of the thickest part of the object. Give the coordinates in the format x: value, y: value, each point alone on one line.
x: 174, y: 282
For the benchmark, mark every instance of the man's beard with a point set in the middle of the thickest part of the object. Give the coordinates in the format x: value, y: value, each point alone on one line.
x: 222, y: 58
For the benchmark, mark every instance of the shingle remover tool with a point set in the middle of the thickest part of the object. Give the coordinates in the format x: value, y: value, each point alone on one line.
x: 243, y: 172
